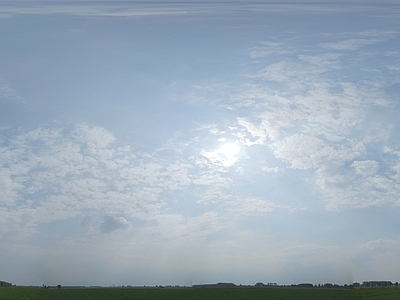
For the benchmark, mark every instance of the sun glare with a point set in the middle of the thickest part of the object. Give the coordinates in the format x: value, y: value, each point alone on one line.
x: 227, y: 154
x: 229, y: 150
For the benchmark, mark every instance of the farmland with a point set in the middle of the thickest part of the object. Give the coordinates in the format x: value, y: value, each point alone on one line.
x: 282, y: 293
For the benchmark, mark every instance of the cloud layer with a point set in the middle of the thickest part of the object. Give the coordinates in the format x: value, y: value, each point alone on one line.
x: 264, y: 149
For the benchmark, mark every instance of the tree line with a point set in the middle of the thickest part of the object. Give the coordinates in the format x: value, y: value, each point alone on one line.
x: 5, y: 284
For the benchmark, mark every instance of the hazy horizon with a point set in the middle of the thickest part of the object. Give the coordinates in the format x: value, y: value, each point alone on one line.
x: 170, y: 143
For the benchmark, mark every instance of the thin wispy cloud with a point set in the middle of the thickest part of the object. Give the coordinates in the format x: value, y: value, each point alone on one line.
x: 8, y: 94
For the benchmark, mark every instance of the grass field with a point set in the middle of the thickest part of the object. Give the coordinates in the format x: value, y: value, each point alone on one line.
x: 17, y: 293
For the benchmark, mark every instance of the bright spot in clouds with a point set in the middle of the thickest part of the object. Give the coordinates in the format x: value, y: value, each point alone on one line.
x: 226, y: 155
x: 229, y: 150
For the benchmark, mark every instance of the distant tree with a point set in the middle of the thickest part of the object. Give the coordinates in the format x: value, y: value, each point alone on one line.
x: 5, y: 284
x: 59, y: 286
x: 308, y: 285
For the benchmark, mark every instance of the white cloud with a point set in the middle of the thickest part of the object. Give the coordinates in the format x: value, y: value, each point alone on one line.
x: 9, y: 187
x: 367, y: 167
x: 347, y: 188
x: 7, y: 94
x: 350, y: 44
x: 271, y: 169
x: 358, y: 40
x: 380, y: 245
x: 314, y: 120
x: 61, y: 173
x: 305, y: 151
x: 268, y: 48
x: 325, y: 61
x: 94, y: 136
x: 246, y: 207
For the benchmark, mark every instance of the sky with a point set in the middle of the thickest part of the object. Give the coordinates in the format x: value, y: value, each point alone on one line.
x: 146, y: 143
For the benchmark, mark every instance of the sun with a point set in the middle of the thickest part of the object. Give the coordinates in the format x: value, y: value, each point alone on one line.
x: 229, y: 150
x: 227, y: 154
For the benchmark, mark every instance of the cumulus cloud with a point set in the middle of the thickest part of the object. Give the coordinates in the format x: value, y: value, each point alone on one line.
x: 305, y: 151
x: 367, y: 167
x: 312, y: 122
x: 60, y: 172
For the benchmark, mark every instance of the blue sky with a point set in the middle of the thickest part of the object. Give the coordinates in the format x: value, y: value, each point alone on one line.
x: 186, y: 143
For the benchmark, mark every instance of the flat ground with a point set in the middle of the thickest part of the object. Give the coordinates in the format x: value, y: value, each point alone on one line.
x: 239, y: 293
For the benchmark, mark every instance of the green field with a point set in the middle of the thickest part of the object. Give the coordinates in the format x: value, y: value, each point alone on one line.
x: 18, y: 293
